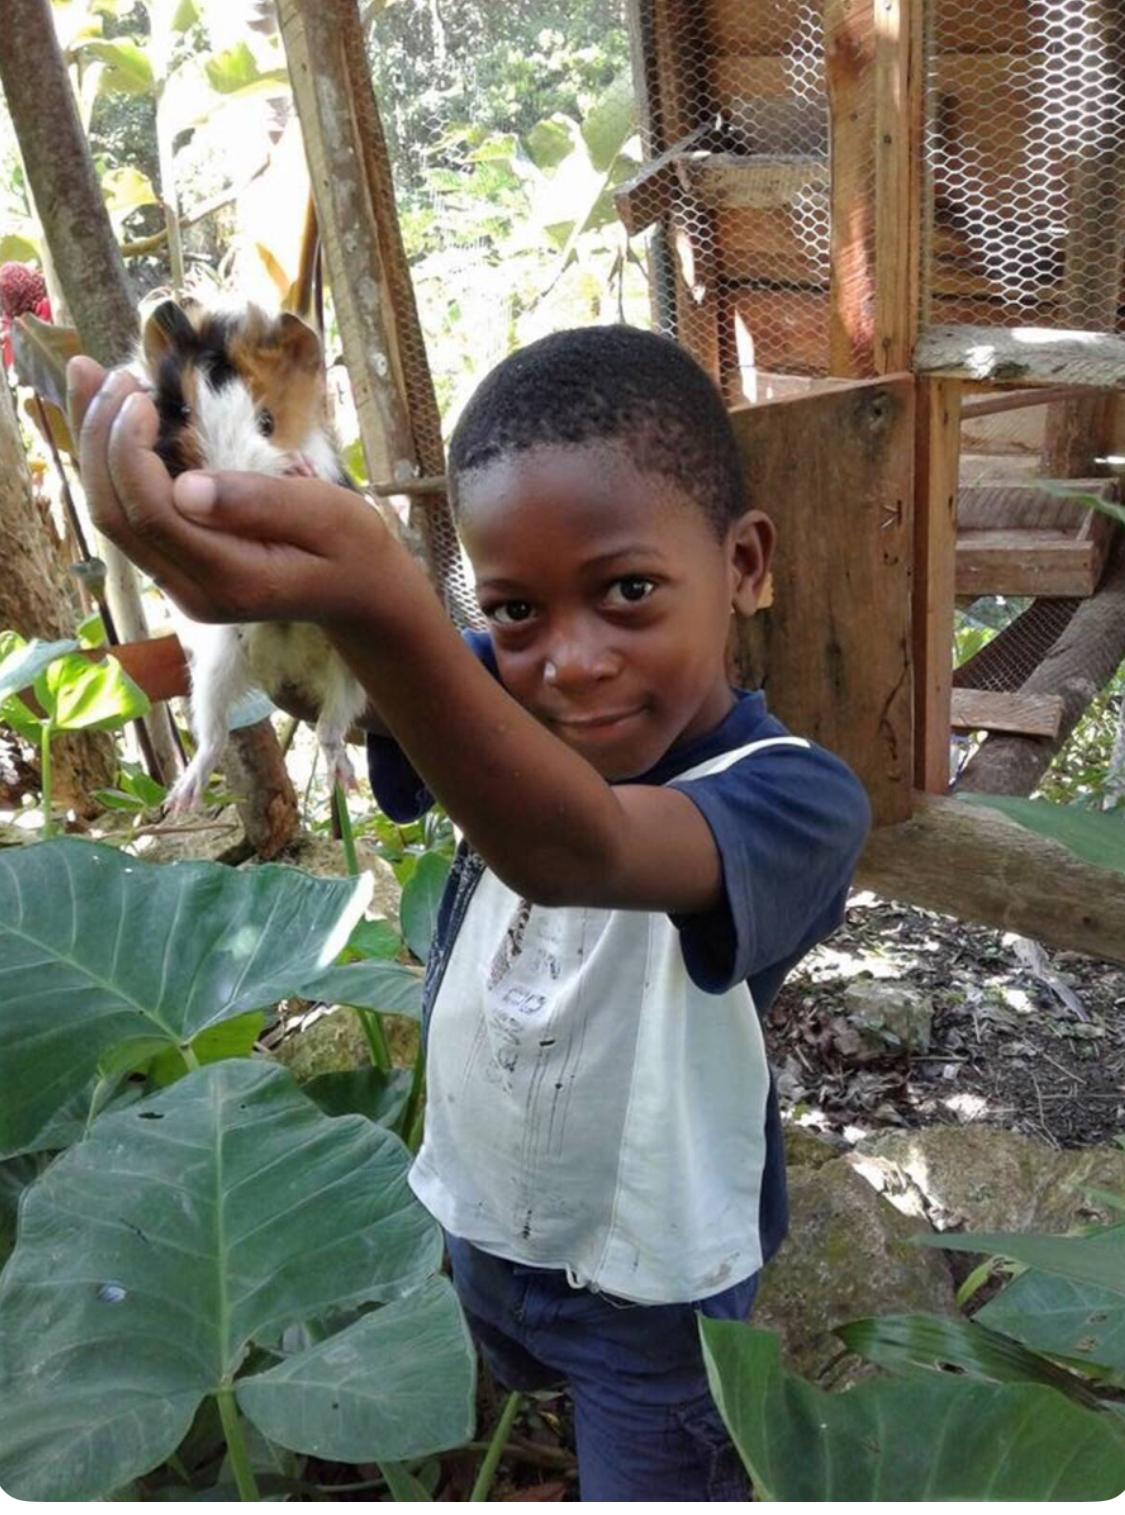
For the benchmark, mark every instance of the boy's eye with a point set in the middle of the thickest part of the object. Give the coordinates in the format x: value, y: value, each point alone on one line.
x: 509, y: 612
x: 632, y: 588
x: 265, y: 422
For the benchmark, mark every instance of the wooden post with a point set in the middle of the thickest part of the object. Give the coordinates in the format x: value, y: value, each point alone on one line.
x: 873, y: 62
x: 849, y: 55
x: 351, y: 181
x: 898, y: 146
x: 936, y: 459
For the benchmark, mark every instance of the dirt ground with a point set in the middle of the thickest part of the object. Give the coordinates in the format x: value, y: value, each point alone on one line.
x: 1023, y: 1038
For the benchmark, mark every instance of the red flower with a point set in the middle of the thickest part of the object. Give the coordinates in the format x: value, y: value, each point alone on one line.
x: 22, y: 290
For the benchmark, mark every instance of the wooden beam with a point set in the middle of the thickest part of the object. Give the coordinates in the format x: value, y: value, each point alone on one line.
x: 1024, y: 355
x: 650, y: 193
x: 973, y: 862
x: 849, y: 46
x: 1002, y: 710
x: 937, y: 454
x: 899, y: 93
x: 382, y: 337
x: 749, y: 181
x: 833, y: 653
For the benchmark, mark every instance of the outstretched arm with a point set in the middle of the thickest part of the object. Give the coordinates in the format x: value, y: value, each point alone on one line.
x: 241, y: 547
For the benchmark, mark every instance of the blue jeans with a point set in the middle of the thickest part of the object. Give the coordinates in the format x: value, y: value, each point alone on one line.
x: 644, y: 1420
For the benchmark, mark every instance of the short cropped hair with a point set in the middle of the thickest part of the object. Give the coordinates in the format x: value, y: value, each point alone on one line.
x: 609, y: 384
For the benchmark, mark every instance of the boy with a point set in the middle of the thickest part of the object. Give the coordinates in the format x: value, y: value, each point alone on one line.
x: 646, y: 853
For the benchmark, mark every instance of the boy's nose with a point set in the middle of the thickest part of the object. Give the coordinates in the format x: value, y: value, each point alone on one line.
x: 574, y: 663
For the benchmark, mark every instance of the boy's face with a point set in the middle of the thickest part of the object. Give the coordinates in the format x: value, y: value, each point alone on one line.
x: 608, y: 597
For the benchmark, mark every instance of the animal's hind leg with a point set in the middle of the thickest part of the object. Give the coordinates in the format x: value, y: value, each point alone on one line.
x: 220, y: 676
x: 344, y: 701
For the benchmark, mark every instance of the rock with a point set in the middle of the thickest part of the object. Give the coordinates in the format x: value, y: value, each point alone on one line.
x: 847, y: 1257
x: 330, y: 1043
x: 982, y: 1179
x: 889, y: 1015
x: 805, y: 1150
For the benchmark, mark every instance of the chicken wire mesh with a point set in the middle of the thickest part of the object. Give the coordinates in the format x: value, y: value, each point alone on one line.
x: 1025, y: 162
x: 513, y: 130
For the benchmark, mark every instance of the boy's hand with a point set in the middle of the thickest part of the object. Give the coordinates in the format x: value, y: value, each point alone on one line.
x: 226, y: 547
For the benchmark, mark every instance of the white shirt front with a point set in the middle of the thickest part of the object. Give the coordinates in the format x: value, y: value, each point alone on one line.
x: 588, y: 1106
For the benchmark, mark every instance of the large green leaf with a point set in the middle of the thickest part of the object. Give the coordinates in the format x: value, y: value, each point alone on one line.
x: 21, y: 663
x: 398, y: 1384
x: 378, y: 1094
x: 931, y: 1437
x: 421, y: 897
x: 372, y: 985
x: 1071, y: 1257
x: 154, y: 1252
x: 128, y: 68
x: 611, y: 122
x: 82, y: 696
x: 1059, y: 1315
x: 910, y: 1343
x: 237, y: 69
x: 1096, y: 836
x: 100, y: 952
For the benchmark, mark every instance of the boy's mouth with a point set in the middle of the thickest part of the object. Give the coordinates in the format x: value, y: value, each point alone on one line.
x: 595, y: 724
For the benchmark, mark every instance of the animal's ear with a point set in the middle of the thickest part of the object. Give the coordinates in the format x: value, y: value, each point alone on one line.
x: 167, y: 327
x: 300, y: 343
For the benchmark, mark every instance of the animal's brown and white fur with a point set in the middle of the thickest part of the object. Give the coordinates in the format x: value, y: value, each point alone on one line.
x: 217, y: 379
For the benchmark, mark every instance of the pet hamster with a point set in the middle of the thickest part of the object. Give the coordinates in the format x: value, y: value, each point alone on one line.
x: 246, y: 390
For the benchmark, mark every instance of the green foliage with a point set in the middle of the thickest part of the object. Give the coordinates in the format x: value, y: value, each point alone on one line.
x: 421, y: 897
x: 153, y: 1255
x: 134, y: 958
x: 1095, y: 837
x: 929, y: 1436
x: 212, y: 1234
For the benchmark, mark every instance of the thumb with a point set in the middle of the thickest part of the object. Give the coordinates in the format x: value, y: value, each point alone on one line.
x: 301, y: 512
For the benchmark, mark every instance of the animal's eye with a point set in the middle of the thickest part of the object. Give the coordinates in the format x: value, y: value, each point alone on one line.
x: 265, y: 422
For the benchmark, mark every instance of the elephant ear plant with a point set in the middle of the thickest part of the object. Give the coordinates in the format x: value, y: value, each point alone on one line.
x: 220, y: 1236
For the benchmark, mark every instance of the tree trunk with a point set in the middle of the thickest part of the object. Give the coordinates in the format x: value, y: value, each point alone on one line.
x: 76, y: 225
x: 37, y: 599
x: 1081, y: 662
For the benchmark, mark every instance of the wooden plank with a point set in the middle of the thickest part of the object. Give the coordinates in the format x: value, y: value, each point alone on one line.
x: 898, y: 125
x: 1042, y: 564
x: 749, y: 182
x: 1004, y: 710
x: 973, y: 862
x: 1024, y: 355
x: 850, y: 46
x: 937, y: 452
x: 651, y: 192
x: 1014, y: 506
x: 834, y: 471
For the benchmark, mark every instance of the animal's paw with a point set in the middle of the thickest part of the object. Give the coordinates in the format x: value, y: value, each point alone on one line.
x: 340, y: 770
x: 187, y: 793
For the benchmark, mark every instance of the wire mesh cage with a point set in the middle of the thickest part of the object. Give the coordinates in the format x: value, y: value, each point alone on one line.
x: 1025, y: 158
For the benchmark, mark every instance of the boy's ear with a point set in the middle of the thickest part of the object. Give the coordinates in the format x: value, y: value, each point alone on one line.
x: 752, y: 539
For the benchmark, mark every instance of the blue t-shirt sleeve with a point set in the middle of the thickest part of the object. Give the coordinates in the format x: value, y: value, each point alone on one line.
x: 789, y: 823
x: 398, y: 790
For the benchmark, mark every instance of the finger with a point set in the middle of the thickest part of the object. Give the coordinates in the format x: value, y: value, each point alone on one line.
x: 83, y: 380
x: 99, y: 413
x: 305, y: 513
